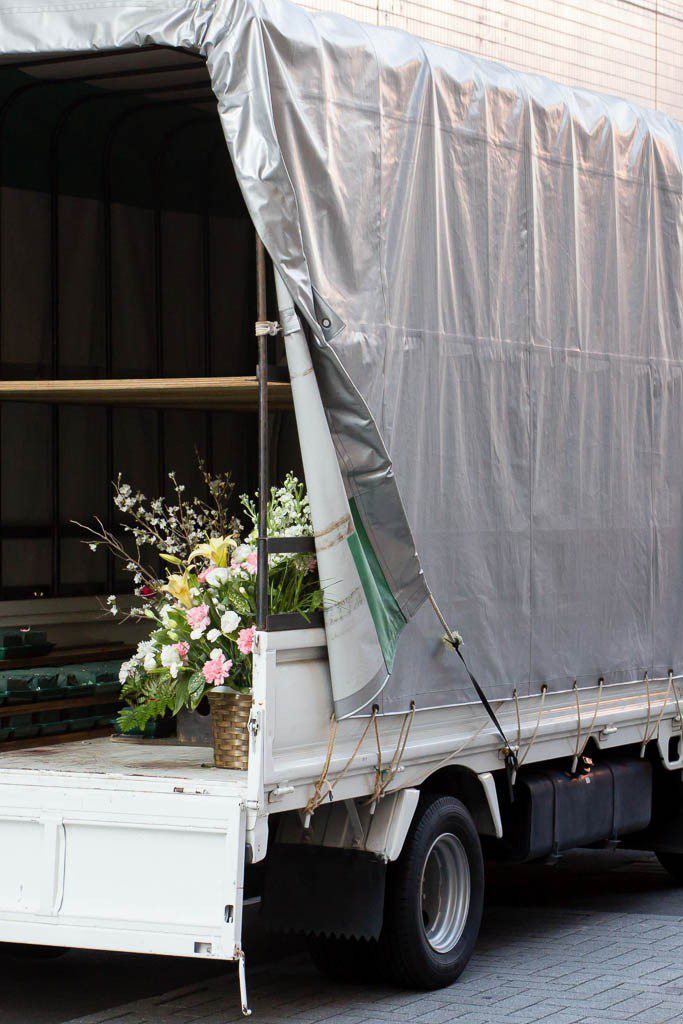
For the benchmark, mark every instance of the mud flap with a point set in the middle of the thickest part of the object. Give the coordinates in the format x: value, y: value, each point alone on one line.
x: 323, y: 891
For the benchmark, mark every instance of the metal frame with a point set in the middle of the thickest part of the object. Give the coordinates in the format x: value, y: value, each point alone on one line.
x: 78, y: 58
x: 263, y: 454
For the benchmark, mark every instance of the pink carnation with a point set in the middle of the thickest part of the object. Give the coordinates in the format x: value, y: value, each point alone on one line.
x: 183, y: 649
x: 251, y: 563
x: 198, y: 618
x: 201, y: 576
x: 217, y: 668
x: 245, y: 640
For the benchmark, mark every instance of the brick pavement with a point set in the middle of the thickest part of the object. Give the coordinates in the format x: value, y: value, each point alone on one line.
x: 542, y: 964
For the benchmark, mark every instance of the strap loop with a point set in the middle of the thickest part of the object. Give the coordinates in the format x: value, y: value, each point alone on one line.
x: 454, y: 640
x: 270, y: 327
x: 652, y: 734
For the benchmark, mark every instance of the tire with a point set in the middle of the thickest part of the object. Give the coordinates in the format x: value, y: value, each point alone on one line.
x: 350, y: 961
x: 427, y: 941
x: 673, y: 863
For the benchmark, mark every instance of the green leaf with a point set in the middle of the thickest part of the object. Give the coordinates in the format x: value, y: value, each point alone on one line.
x: 197, y: 687
x: 182, y: 693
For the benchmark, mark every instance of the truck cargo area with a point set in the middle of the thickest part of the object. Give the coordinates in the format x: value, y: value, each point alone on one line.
x: 128, y: 762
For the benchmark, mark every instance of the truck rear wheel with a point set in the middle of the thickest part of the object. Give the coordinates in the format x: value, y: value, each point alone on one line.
x: 434, y: 898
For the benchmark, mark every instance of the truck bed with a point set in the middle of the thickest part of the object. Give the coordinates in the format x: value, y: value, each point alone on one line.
x: 124, y: 763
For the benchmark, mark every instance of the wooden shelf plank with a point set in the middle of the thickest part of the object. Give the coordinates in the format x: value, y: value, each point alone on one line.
x: 70, y: 656
x: 197, y: 393
x: 59, y: 704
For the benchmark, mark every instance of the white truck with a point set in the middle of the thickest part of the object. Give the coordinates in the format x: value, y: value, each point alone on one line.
x: 395, y: 885
x: 478, y: 283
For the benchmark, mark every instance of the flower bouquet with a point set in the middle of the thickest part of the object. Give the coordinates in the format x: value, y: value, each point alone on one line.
x: 202, y: 606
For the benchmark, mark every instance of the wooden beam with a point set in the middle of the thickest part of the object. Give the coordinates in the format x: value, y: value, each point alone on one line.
x: 37, y: 742
x: 59, y: 704
x: 213, y: 393
x: 80, y: 655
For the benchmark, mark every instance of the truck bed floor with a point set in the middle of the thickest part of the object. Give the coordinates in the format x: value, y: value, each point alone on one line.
x: 124, y: 760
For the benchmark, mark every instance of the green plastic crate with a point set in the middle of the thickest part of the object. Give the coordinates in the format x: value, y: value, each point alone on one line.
x: 21, y: 690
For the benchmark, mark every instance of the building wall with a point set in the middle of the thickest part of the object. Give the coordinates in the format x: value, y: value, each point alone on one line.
x: 631, y: 48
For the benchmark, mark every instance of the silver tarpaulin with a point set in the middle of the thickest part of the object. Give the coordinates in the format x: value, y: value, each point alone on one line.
x: 490, y: 265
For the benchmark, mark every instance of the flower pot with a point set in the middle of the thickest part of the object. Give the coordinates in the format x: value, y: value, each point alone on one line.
x: 193, y: 728
x: 230, y: 722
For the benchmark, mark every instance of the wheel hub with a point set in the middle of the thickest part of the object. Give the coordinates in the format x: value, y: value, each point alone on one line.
x: 445, y: 892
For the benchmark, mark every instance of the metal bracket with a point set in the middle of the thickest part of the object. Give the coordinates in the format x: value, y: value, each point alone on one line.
x: 356, y: 826
x: 242, y: 973
x: 279, y: 793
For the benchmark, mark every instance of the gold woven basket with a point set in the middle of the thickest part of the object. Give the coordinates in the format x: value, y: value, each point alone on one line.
x: 230, y: 724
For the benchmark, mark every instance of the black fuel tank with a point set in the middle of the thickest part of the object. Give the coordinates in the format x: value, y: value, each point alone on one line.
x: 554, y: 810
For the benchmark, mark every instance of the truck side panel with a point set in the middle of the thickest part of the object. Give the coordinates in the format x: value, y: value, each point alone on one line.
x: 134, y: 871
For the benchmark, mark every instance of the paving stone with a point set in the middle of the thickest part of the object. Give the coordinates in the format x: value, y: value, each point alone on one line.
x: 561, y: 1015
x: 533, y: 965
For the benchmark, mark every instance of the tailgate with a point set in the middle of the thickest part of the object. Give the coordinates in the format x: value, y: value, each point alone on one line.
x: 152, y: 869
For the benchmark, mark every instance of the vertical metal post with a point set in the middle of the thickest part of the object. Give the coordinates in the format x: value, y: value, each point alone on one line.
x: 263, y: 483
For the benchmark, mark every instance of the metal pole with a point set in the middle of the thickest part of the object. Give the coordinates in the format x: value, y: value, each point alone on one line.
x: 261, y: 306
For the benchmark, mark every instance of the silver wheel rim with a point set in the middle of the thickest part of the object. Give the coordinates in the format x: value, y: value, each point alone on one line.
x: 445, y: 892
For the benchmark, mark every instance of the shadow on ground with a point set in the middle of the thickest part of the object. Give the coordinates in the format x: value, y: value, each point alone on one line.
x: 81, y: 983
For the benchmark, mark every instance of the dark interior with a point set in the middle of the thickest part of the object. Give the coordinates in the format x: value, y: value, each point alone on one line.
x: 126, y: 251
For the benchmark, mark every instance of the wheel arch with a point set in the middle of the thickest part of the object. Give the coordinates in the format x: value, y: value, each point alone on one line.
x: 476, y: 792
